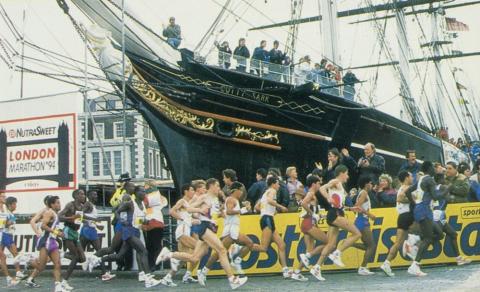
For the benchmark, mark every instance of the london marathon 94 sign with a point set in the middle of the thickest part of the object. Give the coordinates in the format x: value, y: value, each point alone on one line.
x: 38, y: 153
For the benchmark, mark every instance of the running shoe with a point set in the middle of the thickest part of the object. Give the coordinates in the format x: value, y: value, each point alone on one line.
x: 237, y: 282
x: 94, y: 262
x: 414, y: 269
x: 11, y: 282
x: 66, y: 286
x: 20, y: 276
x: 141, y: 277
x: 336, y: 258
x: 387, y: 269
x: 316, y: 271
x: 150, y: 281
x: 299, y: 277
x: 86, y: 263
x: 202, y: 277
x: 188, y: 279
x: 463, y: 261
x: 59, y: 287
x: 364, y: 271
x: 164, y: 255
x: 305, y: 260
x: 108, y: 276
x: 30, y: 283
x: 237, y: 265
x: 287, y: 273
x: 167, y: 282
x: 174, y: 263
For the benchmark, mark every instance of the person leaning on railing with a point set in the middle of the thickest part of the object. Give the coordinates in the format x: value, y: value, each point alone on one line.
x: 173, y: 33
x: 276, y: 58
x: 224, y: 54
x: 349, y: 81
x: 241, y: 54
x: 260, y: 55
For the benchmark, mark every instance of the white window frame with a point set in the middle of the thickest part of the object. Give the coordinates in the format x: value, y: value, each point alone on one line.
x: 99, y: 164
x: 151, y: 164
x: 115, y: 135
x: 101, y: 131
x: 115, y: 162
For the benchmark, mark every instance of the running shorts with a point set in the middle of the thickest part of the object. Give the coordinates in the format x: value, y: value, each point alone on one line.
x: 182, y: 230
x: 332, y: 215
x: 267, y: 221
x: 232, y: 230
x: 70, y: 234
x: 89, y: 232
x: 307, y: 224
x: 6, y: 239
x: 405, y: 220
x: 204, y: 225
x: 47, y: 242
x: 361, y: 223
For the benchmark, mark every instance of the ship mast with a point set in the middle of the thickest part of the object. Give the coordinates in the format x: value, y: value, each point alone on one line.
x: 329, y: 26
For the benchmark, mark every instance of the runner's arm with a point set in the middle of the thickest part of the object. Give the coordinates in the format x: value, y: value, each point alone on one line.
x: 231, y: 206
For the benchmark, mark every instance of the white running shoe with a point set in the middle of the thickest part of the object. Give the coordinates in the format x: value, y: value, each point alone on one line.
x: 86, y: 263
x: 174, y: 263
x: 414, y: 269
x: 237, y: 282
x: 463, y: 261
x: 316, y: 271
x: 299, y: 277
x: 364, y: 271
x: 167, y: 282
x: 305, y: 260
x: 150, y: 281
x: 141, y: 277
x: 20, y: 275
x: 187, y: 279
x: 66, y: 286
x: 237, y: 265
x: 59, y: 287
x: 11, y: 282
x: 287, y: 273
x: 336, y: 258
x: 108, y: 276
x: 202, y: 278
x: 164, y: 255
x: 386, y: 268
x: 94, y: 262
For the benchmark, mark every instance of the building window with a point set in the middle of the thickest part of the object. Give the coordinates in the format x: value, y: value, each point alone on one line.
x: 118, y: 127
x: 145, y: 130
x: 157, y: 165
x: 107, y: 162
x: 100, y: 133
x: 110, y: 104
x: 95, y: 164
x: 150, y: 163
x: 117, y: 159
x: 92, y: 105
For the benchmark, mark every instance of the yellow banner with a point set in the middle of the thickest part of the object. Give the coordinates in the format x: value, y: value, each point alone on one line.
x: 464, y: 218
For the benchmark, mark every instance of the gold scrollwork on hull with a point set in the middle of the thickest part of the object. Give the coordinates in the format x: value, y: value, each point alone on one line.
x: 266, y: 136
x: 174, y: 113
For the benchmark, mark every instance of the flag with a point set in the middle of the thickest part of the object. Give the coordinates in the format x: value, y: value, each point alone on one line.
x: 460, y: 86
x: 454, y: 25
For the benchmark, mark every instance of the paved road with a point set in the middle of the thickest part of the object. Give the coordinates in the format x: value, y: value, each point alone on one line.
x: 444, y: 278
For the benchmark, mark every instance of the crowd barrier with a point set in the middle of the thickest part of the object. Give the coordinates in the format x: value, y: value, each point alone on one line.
x: 464, y: 218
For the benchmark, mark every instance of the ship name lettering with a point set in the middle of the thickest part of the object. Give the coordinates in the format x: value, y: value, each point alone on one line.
x: 261, y: 97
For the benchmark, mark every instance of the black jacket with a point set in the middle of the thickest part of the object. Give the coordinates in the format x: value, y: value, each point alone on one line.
x: 242, y: 52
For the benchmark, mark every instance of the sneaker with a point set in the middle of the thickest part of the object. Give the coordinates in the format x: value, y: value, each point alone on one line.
x: 463, y: 261
x: 141, y: 277
x: 234, y: 251
x: 20, y: 276
x: 168, y: 282
x: 31, y: 284
x: 387, y: 269
x: 287, y: 273
x: 174, y: 263
x: 237, y: 282
x: 59, y: 287
x: 187, y: 279
x: 108, y: 276
x: 299, y: 277
x: 11, y: 282
x: 305, y: 260
x: 202, y: 278
x: 150, y: 282
x: 93, y: 262
x: 66, y: 286
x: 237, y: 265
x: 414, y: 269
x: 85, y: 264
x: 164, y: 255
x: 316, y: 271
x: 364, y: 271
x: 336, y: 258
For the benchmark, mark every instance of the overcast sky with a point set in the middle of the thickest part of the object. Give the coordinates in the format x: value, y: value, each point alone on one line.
x: 46, y: 25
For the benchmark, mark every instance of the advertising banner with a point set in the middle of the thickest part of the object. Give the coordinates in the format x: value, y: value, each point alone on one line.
x: 38, y: 153
x: 464, y: 218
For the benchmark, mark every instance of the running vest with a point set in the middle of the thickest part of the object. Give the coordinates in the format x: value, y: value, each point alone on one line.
x: 10, y: 217
x: 265, y: 207
x: 186, y: 217
x: 338, y: 196
x: 232, y: 219
x: 3, y: 219
x: 138, y: 216
x: 214, y: 210
x: 402, y: 207
x: 418, y: 193
x: 366, y: 206
x: 312, y: 207
x: 56, y: 226
x: 93, y: 214
x: 156, y: 202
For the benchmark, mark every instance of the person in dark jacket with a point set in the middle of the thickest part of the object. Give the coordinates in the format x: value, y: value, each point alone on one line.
x: 259, y: 57
x: 241, y: 54
x: 173, y: 33
x: 224, y: 55
x: 349, y: 80
x: 257, y: 189
x: 283, y: 197
x: 335, y: 158
x: 277, y: 57
x: 371, y: 163
x: 411, y: 165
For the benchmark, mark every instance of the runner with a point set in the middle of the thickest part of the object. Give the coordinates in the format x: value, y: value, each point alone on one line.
x: 267, y: 206
x: 404, y: 221
x: 231, y: 230
x: 47, y: 245
x: 88, y: 233
x: 204, y: 204
x: 5, y: 240
x: 309, y: 228
x: 334, y: 192
x: 362, y: 223
x: 199, y: 186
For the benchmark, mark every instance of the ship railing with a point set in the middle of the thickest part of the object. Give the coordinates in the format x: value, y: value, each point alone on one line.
x: 279, y: 72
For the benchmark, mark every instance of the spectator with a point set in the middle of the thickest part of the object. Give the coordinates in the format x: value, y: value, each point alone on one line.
x: 458, y: 186
x: 302, y: 70
x: 293, y: 183
x: 287, y: 69
x: 173, y: 33
x: 298, y: 196
x: 229, y: 177
x: 276, y: 60
x: 371, y: 163
x: 385, y: 193
x: 323, y: 64
x: 335, y: 159
x: 241, y: 54
x: 411, y: 165
x: 283, y: 197
x: 349, y: 81
x: 224, y: 55
x: 315, y: 75
x: 256, y: 190
x: 474, y: 192
x: 260, y: 55
x: 153, y: 231
x: 351, y: 197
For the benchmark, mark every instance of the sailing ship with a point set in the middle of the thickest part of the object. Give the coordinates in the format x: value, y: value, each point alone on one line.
x: 207, y: 117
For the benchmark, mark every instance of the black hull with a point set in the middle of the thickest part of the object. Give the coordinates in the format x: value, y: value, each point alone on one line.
x: 205, y: 127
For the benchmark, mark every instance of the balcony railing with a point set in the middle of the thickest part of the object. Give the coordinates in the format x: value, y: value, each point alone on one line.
x: 280, y: 73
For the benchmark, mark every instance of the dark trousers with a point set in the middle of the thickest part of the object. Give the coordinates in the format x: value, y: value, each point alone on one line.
x: 153, y: 242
